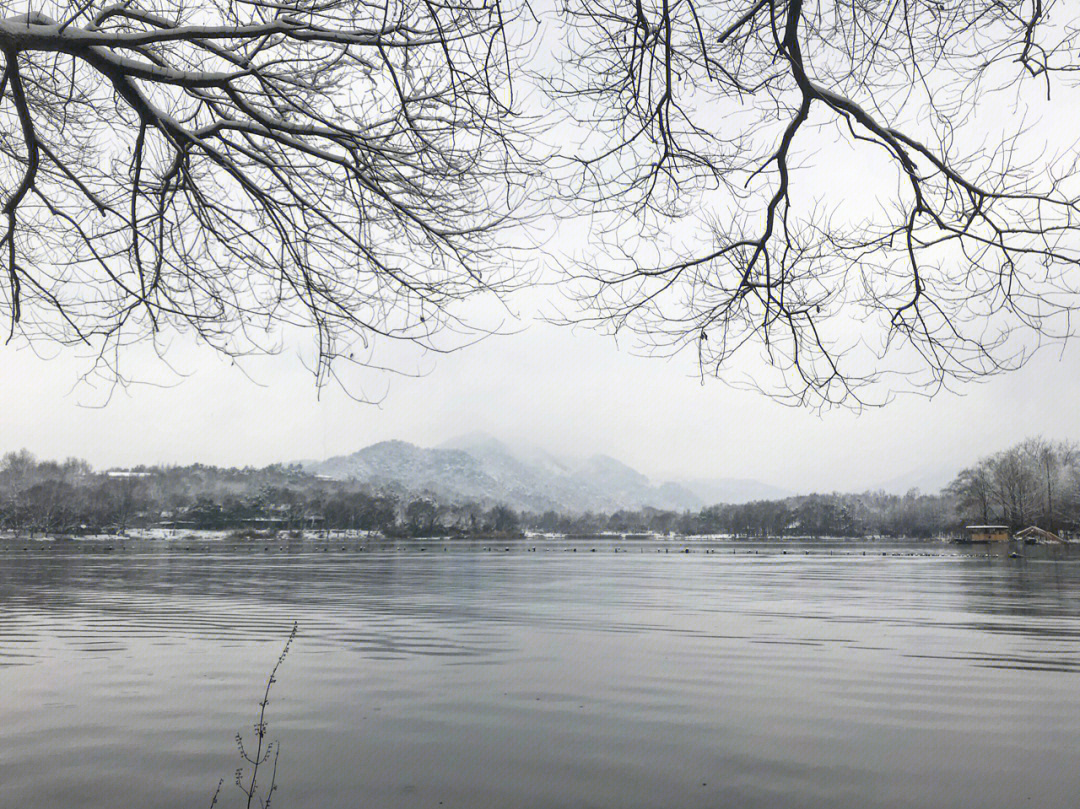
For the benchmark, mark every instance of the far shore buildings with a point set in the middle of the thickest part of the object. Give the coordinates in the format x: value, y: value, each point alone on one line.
x: 988, y: 533
x: 1002, y: 533
x: 1036, y: 534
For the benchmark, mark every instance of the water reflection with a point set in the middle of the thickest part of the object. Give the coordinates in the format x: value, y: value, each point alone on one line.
x: 753, y: 674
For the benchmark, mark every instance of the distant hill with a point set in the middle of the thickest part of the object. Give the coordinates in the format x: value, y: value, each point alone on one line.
x: 734, y: 490
x: 478, y: 467
x: 927, y: 479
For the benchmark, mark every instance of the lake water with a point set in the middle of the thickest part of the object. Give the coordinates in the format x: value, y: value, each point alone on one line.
x: 826, y: 674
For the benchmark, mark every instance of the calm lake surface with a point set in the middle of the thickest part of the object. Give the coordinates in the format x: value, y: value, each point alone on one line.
x: 835, y: 674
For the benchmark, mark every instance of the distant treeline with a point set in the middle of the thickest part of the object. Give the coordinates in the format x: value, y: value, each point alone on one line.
x: 1034, y: 483
x: 848, y: 515
x: 49, y: 497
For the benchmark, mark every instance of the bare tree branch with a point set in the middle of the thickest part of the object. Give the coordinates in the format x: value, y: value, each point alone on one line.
x: 965, y: 259
x: 235, y: 167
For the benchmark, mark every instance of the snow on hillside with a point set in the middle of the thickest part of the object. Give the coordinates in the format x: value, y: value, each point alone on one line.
x: 478, y: 467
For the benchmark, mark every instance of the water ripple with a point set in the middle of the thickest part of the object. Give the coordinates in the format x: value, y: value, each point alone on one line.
x: 827, y: 674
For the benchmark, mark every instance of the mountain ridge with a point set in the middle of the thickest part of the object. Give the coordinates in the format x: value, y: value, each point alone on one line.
x: 481, y: 468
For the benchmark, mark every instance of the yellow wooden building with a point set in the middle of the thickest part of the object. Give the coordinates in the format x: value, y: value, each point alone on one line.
x: 988, y: 533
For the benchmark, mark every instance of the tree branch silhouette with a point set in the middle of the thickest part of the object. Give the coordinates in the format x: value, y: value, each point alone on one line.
x: 234, y: 167
x: 966, y: 258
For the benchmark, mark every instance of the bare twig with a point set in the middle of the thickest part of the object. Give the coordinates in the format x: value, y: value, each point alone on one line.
x: 265, y: 751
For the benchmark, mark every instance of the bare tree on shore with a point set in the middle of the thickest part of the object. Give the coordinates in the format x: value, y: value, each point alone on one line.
x: 228, y: 168
x: 1033, y: 482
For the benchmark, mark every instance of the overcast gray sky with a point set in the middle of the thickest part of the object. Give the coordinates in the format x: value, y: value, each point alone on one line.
x: 572, y: 392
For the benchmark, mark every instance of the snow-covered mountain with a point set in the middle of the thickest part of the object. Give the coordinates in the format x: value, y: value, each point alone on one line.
x: 480, y: 468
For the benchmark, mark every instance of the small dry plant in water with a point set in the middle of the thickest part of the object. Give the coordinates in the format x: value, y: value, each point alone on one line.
x: 265, y: 753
